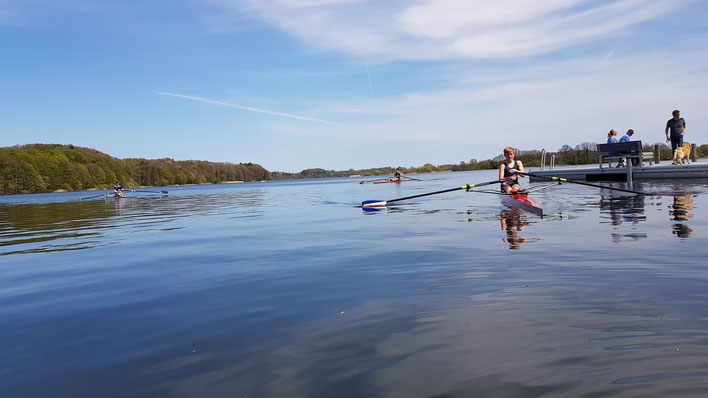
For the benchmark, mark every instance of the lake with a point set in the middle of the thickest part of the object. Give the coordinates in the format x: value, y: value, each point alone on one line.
x: 288, y: 289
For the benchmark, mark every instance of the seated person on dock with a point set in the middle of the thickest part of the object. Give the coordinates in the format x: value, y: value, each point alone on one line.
x: 626, y: 138
x: 509, y: 171
x: 612, y: 137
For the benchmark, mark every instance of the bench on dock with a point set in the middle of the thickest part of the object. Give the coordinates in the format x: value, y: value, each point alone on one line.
x: 621, y: 150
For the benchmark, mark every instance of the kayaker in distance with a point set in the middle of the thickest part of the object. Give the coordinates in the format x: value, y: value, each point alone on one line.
x: 509, y: 171
x: 118, y: 189
x: 397, y: 175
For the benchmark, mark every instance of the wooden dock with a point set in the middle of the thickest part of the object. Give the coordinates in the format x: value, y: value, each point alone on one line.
x: 664, y: 170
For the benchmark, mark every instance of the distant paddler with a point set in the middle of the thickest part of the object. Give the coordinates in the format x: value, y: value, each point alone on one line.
x: 509, y: 171
x: 118, y: 190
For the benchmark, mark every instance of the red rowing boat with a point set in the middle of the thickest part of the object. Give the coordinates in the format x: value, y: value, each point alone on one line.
x: 390, y: 181
x: 521, y: 201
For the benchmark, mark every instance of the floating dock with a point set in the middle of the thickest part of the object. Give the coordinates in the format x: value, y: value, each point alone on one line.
x: 665, y: 170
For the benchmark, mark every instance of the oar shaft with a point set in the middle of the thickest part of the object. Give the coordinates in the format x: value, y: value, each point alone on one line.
x: 137, y: 190
x: 561, y: 179
x: 95, y: 196
x: 381, y: 203
x: 428, y: 194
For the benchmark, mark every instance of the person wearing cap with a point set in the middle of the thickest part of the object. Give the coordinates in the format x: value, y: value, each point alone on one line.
x: 625, y: 138
x: 677, y: 126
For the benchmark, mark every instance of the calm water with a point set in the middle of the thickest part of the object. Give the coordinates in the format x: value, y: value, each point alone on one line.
x: 287, y: 289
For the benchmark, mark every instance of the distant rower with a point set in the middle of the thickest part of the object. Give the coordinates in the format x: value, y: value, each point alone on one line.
x: 397, y: 175
x: 118, y: 189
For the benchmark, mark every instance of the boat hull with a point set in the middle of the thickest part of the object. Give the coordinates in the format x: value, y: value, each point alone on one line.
x: 523, y: 202
x: 393, y: 181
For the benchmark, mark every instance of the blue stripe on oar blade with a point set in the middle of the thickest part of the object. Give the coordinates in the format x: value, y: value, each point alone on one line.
x: 373, y: 203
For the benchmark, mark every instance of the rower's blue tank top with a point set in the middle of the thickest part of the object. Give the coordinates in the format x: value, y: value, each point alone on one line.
x: 507, y: 173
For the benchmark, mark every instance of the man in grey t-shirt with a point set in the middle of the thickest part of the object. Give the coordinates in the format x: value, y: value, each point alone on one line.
x: 677, y: 126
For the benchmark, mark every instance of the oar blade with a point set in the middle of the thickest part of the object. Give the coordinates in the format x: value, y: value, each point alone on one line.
x: 373, y: 203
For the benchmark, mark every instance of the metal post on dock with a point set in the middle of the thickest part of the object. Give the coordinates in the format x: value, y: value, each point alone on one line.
x: 543, y: 158
x: 657, y: 153
x: 694, y: 153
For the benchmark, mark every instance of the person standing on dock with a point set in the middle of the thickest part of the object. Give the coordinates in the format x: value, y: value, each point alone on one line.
x: 676, y: 126
x: 612, y: 137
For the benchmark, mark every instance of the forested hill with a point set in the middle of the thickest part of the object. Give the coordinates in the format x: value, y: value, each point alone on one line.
x: 49, y: 167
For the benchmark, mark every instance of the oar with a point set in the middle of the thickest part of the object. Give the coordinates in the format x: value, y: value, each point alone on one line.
x: 560, y: 179
x: 410, y: 178
x: 378, y: 179
x: 96, y: 196
x: 136, y: 190
x: 382, y: 203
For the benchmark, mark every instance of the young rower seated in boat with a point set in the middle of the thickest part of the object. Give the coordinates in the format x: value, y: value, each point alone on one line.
x: 509, y: 171
x: 397, y: 175
x: 118, y: 189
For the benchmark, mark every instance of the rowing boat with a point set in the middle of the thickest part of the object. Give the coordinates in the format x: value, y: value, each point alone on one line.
x: 521, y: 200
x: 389, y: 181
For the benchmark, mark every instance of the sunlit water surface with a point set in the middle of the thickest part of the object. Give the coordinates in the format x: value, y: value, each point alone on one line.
x: 286, y: 289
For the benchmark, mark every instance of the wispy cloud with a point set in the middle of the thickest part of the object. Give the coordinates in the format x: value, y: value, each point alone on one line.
x: 535, y: 106
x: 442, y: 29
x: 245, y: 108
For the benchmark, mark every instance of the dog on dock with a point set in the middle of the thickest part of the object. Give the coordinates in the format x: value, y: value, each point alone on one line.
x: 682, y: 153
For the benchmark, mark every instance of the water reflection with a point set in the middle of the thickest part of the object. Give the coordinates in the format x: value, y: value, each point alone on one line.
x: 512, y: 222
x: 623, y: 209
x: 60, y: 226
x: 682, y: 210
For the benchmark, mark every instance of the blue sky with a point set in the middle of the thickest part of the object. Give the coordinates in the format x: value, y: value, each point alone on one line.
x: 339, y: 84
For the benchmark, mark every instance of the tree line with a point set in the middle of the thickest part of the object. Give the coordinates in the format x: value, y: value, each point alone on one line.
x: 377, y: 171
x: 39, y: 168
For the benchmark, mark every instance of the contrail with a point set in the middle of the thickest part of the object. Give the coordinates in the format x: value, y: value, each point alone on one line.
x: 245, y: 108
x: 371, y: 86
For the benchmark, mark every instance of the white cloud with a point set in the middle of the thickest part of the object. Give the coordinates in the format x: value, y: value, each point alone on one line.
x: 534, y: 107
x: 440, y: 29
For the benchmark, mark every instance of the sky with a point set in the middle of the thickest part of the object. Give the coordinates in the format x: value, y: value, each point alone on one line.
x: 347, y: 84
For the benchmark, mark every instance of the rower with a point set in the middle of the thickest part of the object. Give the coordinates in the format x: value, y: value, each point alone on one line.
x: 397, y: 175
x: 118, y: 189
x: 509, y: 172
